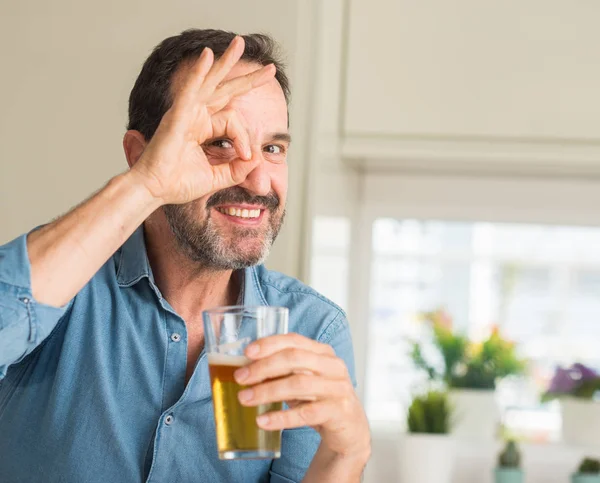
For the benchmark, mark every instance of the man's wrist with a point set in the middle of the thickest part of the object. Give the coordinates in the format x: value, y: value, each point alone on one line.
x: 330, y: 466
x: 136, y: 181
x: 358, y: 458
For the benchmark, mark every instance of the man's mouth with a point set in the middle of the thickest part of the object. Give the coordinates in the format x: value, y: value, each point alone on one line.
x: 244, y: 214
x: 240, y: 212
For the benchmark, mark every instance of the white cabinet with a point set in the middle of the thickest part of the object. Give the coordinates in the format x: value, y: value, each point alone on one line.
x: 474, y: 83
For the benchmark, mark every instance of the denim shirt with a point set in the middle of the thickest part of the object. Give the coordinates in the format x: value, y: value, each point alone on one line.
x: 85, y: 390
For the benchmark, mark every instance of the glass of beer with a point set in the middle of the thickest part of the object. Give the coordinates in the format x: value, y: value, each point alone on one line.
x: 228, y: 330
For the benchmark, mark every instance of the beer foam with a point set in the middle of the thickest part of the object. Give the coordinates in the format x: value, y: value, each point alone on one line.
x: 226, y: 360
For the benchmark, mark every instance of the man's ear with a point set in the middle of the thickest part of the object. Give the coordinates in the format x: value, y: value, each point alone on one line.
x: 134, y: 144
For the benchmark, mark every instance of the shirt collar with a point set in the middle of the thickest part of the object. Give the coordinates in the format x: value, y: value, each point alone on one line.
x: 134, y: 265
x: 253, y: 293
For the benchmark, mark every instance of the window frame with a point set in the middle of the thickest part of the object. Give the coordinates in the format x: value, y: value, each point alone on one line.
x: 448, y: 197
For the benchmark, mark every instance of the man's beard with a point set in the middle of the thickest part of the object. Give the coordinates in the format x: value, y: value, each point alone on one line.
x: 202, y: 242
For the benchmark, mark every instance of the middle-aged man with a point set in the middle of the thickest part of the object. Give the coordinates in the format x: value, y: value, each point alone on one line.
x: 103, y: 376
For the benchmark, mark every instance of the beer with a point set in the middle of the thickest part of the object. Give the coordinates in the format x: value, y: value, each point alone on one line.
x: 238, y: 435
x: 228, y: 330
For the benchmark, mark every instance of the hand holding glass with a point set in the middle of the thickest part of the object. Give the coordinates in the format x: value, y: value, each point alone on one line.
x: 228, y: 331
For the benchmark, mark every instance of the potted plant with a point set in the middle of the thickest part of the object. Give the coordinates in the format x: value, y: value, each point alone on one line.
x: 470, y: 370
x: 509, y: 465
x: 575, y: 388
x: 427, y: 451
x: 588, y: 472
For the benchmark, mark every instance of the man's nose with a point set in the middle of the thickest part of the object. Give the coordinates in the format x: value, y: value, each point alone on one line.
x: 258, y: 181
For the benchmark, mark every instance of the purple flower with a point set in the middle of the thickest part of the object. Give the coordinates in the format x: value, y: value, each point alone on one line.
x: 583, y: 373
x: 566, y: 381
x: 562, y: 382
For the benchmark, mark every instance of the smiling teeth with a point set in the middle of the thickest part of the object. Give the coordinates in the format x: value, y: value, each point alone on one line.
x: 240, y: 213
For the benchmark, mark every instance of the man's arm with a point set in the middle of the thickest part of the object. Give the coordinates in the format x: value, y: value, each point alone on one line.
x: 65, y: 254
x: 330, y: 467
x: 40, y: 273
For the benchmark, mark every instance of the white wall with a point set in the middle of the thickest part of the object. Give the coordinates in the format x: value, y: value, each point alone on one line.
x: 67, y: 69
x: 474, y: 85
x: 486, y: 68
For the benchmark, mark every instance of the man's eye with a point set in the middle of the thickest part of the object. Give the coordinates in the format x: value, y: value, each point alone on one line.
x: 222, y: 143
x: 274, y: 149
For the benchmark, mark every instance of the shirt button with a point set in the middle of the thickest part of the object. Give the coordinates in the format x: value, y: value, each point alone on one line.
x: 175, y: 337
x: 25, y: 300
x: 168, y: 420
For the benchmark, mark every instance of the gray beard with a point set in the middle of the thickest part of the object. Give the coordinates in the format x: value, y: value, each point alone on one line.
x: 202, y: 243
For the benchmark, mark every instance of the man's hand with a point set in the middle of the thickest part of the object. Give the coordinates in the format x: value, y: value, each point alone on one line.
x: 173, y: 166
x: 316, y: 385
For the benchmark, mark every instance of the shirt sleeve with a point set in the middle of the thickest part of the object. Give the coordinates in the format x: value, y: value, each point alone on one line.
x: 298, y: 446
x: 24, y: 323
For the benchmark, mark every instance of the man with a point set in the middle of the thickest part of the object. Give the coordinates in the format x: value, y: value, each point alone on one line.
x: 103, y: 372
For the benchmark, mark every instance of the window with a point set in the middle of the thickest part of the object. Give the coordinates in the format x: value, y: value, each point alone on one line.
x: 539, y: 283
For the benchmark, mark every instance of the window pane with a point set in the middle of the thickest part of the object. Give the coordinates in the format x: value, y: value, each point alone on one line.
x: 540, y: 284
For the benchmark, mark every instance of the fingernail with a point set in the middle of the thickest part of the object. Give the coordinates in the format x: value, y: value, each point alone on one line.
x: 241, y: 374
x: 245, y: 395
x: 248, y: 153
x: 262, y: 420
x: 252, y: 350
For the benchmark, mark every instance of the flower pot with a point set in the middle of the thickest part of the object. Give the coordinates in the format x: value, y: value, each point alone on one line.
x: 475, y: 414
x: 580, y: 422
x: 582, y: 478
x: 508, y: 475
x: 426, y: 458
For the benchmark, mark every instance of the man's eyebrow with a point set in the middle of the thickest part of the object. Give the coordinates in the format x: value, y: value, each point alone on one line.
x: 281, y: 136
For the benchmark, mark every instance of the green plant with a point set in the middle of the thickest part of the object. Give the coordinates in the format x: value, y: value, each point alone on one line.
x: 510, y: 456
x: 467, y: 364
x: 589, y: 466
x: 429, y: 413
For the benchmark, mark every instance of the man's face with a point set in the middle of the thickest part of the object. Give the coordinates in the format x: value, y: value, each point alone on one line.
x: 235, y: 228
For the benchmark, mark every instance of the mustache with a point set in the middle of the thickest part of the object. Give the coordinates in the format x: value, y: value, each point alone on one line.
x: 237, y: 194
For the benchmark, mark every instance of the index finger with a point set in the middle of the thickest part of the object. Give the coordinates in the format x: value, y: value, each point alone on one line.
x: 239, y: 86
x: 274, y: 343
x: 224, y: 64
x: 194, y: 78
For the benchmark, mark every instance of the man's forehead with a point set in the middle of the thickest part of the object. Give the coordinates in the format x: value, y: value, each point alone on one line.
x: 265, y: 104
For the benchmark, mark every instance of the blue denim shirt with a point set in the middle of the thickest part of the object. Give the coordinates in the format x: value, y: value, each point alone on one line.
x: 85, y: 389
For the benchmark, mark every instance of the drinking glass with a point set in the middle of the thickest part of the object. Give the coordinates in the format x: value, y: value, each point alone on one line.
x: 228, y: 330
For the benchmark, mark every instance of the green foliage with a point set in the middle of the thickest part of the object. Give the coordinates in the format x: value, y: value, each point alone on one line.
x: 510, y: 456
x: 495, y: 359
x: 429, y: 413
x: 467, y: 364
x: 421, y: 363
x: 453, y: 348
x: 587, y: 389
x: 589, y: 466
